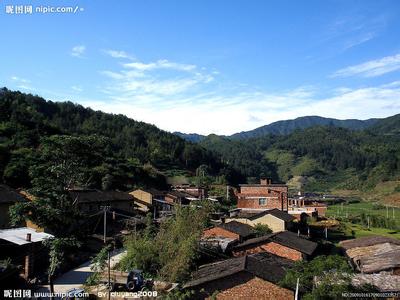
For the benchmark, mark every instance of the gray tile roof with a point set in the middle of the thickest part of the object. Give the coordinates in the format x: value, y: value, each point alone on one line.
x: 264, y: 265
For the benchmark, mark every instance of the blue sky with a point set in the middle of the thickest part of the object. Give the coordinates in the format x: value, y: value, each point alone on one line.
x: 209, y: 66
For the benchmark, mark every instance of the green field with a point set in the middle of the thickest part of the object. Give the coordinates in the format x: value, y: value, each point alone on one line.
x: 369, y: 208
x: 348, y: 229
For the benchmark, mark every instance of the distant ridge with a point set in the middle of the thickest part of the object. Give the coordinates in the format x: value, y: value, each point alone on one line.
x: 288, y: 126
x: 191, y: 137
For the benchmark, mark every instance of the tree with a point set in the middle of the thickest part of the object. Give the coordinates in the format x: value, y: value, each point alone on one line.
x: 57, y: 248
x: 171, y: 253
x: 62, y: 163
x: 262, y: 229
x: 319, y: 266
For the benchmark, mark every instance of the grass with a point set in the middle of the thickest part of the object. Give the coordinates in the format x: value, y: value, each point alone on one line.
x: 349, y: 230
x: 360, y: 231
x: 368, y: 208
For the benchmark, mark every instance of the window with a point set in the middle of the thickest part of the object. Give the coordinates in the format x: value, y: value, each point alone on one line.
x: 262, y: 201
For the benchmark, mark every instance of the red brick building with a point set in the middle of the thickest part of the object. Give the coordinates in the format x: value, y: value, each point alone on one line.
x: 265, y: 195
x: 284, y: 244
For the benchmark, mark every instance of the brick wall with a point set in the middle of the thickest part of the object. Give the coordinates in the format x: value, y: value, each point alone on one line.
x: 273, y: 248
x: 248, y: 197
x: 218, y: 231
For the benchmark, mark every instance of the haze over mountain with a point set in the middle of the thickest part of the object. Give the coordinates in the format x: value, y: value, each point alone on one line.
x: 288, y: 126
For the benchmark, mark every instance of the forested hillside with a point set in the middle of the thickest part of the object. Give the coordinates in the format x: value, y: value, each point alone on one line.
x: 132, y: 152
x: 119, y: 153
x: 339, y: 157
x: 288, y: 126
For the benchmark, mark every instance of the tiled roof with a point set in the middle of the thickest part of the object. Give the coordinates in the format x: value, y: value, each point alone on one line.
x: 285, y: 238
x: 264, y: 265
x: 292, y: 240
x: 368, y: 241
x: 281, y: 215
x: 87, y: 196
x: 9, y: 195
x: 241, y: 229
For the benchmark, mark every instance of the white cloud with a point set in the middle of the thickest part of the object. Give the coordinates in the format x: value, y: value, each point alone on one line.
x: 160, y: 64
x: 227, y: 112
x: 78, y: 51
x: 22, y: 83
x: 76, y: 88
x: 372, y: 68
x: 358, y: 40
x: 117, y: 54
x: 19, y: 79
x: 154, y: 80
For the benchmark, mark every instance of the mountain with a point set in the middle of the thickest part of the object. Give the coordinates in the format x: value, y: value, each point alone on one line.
x: 387, y: 126
x: 191, y: 137
x: 333, y: 157
x: 288, y: 126
x: 134, y: 153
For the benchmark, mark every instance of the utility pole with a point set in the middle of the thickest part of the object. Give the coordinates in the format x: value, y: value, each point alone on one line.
x: 368, y: 222
x: 393, y: 212
x: 387, y: 212
x: 105, y: 209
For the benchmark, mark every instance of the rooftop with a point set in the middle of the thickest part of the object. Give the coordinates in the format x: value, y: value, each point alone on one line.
x: 281, y: 215
x: 265, y: 185
x: 285, y: 238
x: 9, y: 195
x: 254, y: 215
x: 87, y: 196
x: 18, y: 235
x: 264, y: 265
x: 384, y: 281
x: 368, y: 241
x: 241, y: 229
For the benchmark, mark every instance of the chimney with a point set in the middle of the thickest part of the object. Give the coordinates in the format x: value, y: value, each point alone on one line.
x: 263, y: 181
x: 28, y: 237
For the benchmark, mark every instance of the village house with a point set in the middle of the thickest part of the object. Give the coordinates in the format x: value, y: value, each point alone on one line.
x: 254, y: 276
x: 194, y: 191
x: 373, y: 254
x: 284, y: 244
x: 90, y: 200
x: 277, y: 220
x: 8, y: 197
x: 150, y: 200
x: 175, y: 197
x: 263, y: 196
x: 307, y: 205
x: 24, y: 246
x: 231, y: 230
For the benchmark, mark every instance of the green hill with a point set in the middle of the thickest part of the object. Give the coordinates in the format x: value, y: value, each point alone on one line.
x: 135, y: 152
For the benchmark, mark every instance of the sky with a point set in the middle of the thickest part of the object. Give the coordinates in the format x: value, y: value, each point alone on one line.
x: 207, y: 66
